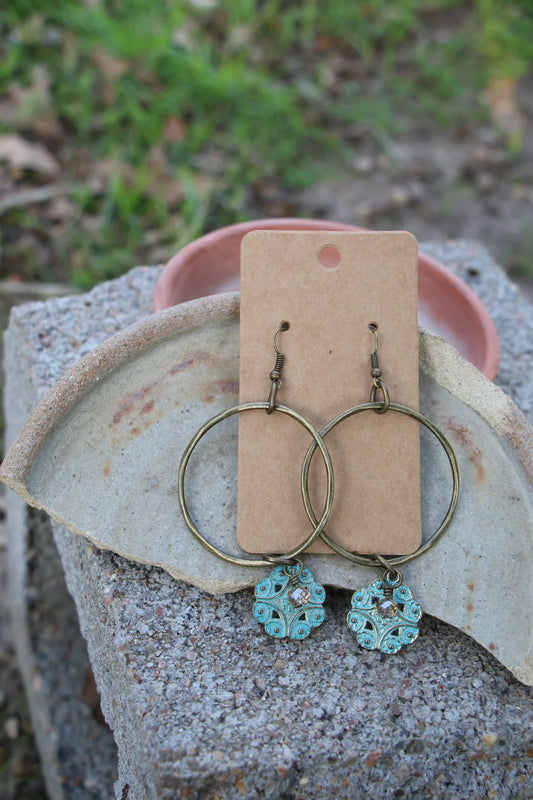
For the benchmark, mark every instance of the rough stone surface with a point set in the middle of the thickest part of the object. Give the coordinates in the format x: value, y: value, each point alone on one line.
x: 78, y: 750
x: 202, y: 704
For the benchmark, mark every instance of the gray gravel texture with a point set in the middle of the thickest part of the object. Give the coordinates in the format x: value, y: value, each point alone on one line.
x: 203, y: 705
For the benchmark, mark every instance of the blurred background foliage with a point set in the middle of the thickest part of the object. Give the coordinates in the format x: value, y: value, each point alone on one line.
x: 162, y: 121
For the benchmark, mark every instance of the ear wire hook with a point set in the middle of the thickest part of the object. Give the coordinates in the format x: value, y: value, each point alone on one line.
x: 377, y: 383
x: 374, y: 328
x: 283, y: 326
x: 275, y: 375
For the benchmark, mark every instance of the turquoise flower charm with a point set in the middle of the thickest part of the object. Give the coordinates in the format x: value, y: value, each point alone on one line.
x: 289, y: 603
x: 384, y: 615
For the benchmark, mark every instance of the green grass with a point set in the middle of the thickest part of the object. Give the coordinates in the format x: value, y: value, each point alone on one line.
x: 264, y: 90
x: 506, y: 37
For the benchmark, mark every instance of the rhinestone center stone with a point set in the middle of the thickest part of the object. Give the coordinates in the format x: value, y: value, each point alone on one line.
x: 299, y: 596
x: 387, y: 608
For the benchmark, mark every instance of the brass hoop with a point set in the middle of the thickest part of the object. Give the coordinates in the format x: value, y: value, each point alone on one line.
x: 267, y: 561
x: 375, y: 560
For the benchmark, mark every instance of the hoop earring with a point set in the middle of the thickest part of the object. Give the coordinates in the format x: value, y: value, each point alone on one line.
x: 384, y: 616
x: 289, y: 603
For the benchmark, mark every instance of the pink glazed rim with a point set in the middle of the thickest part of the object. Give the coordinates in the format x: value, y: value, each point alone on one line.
x: 210, y: 265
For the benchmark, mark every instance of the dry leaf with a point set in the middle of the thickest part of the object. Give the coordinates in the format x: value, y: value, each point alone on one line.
x: 109, y: 65
x: 501, y: 99
x: 239, y: 36
x: 37, y: 194
x: 165, y: 187
x: 173, y: 193
x: 100, y: 172
x: 23, y: 155
x: 184, y: 36
x: 60, y: 209
x: 324, y: 43
x: 110, y: 68
x: 146, y: 75
x: 161, y: 182
x: 157, y: 161
x: 47, y: 127
x: 175, y: 130
x: 31, y: 107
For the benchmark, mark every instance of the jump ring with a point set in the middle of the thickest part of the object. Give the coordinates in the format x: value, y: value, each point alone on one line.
x: 393, y: 578
x: 296, y: 563
x: 385, y: 405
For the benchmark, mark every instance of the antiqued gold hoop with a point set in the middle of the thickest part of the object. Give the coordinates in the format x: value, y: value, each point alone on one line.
x: 375, y: 560
x: 266, y: 561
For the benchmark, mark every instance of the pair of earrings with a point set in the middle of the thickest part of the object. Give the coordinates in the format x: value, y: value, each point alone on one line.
x: 289, y: 602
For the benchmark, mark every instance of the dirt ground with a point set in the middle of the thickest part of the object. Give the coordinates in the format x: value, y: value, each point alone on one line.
x: 436, y: 185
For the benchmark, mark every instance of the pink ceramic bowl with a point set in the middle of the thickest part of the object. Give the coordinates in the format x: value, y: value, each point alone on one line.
x: 447, y: 306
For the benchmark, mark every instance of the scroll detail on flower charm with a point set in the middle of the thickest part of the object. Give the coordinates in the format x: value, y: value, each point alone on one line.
x: 289, y: 603
x: 384, y: 615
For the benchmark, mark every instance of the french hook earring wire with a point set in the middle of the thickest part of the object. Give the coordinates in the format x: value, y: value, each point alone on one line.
x: 377, y: 383
x: 275, y: 375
